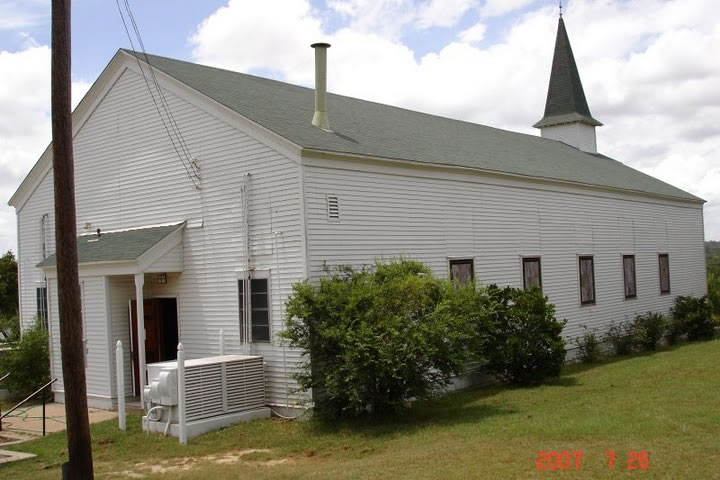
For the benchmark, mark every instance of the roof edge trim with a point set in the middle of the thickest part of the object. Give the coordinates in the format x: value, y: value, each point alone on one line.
x: 329, y: 155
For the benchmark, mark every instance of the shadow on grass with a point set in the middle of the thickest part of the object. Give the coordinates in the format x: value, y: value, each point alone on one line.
x: 455, y: 408
x: 575, y: 368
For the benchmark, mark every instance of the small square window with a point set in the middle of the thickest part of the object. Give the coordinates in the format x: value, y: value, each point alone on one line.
x: 587, y: 280
x: 531, y: 273
x: 629, y: 276
x: 462, y: 271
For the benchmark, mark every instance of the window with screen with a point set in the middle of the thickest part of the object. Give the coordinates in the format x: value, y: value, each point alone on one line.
x: 42, y: 306
x: 532, y: 277
x: 587, y: 281
x: 254, y: 298
x: 629, y: 276
x: 462, y: 271
x: 664, y: 262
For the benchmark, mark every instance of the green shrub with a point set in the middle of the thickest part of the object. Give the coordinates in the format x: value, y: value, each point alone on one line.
x: 375, y: 338
x: 623, y: 337
x: 713, y: 296
x: 28, y: 362
x: 691, y: 317
x: 589, y: 346
x: 9, y: 328
x: 524, y: 344
x: 649, y: 329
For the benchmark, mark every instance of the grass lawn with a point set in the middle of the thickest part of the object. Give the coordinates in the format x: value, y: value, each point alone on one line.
x: 667, y: 404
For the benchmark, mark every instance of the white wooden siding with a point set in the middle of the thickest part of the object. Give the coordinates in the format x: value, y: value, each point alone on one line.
x: 128, y: 175
x: 579, y: 135
x: 432, y: 216
x: 95, y: 333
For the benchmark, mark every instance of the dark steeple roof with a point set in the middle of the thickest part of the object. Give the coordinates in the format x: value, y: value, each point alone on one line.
x: 566, y: 99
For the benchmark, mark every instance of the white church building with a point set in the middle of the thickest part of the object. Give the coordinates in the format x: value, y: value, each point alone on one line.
x: 204, y: 194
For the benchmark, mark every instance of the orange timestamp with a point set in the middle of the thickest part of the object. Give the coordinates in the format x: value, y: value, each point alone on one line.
x: 571, y: 460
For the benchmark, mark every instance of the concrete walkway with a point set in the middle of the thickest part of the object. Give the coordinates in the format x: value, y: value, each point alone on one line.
x: 29, y: 420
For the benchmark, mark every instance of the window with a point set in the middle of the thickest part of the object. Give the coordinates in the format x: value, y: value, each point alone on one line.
x: 629, y: 276
x: 42, y: 305
x: 258, y: 304
x: 664, y: 263
x: 587, y: 281
x: 462, y: 271
x: 531, y: 273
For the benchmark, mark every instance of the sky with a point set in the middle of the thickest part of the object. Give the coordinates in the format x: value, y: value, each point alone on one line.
x: 649, y: 67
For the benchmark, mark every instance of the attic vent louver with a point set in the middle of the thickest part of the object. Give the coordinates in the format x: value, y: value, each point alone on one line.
x: 333, y: 208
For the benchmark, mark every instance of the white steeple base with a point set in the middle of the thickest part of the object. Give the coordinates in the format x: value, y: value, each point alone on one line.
x: 579, y: 135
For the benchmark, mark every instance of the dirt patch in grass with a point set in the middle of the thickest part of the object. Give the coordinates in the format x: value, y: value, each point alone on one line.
x: 250, y: 457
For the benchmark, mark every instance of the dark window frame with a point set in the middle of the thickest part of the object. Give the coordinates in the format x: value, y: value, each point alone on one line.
x: 634, y: 277
x: 666, y: 256
x: 246, y: 285
x: 582, y: 258
x: 462, y: 261
x: 531, y: 260
x: 41, y: 302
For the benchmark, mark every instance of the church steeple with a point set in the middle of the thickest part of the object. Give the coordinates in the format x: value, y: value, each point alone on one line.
x: 567, y: 115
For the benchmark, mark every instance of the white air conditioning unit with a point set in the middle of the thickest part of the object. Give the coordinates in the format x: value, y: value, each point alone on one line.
x: 219, y: 391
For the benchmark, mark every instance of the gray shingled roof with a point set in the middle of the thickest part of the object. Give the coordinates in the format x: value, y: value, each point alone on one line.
x: 566, y: 98
x: 121, y: 246
x: 373, y: 129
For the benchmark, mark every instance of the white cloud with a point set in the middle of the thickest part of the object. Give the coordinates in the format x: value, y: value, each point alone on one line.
x: 442, y: 13
x: 648, y: 70
x: 386, y: 18
x: 497, y: 8
x: 24, y: 123
x: 474, y: 34
x: 27, y: 13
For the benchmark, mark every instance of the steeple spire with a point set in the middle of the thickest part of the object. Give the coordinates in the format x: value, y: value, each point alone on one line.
x: 566, y: 103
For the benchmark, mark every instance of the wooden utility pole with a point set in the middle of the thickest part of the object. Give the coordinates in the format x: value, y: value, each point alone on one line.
x: 71, y: 332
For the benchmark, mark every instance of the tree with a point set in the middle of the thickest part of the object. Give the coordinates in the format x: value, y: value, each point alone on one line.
x: 8, y: 284
x: 9, y: 325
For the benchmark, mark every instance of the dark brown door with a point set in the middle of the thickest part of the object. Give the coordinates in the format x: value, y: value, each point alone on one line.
x: 161, y: 333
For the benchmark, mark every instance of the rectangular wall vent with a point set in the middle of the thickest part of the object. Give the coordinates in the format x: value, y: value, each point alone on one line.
x: 333, y: 208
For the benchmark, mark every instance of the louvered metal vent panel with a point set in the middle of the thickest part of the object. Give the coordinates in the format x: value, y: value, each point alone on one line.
x: 213, y: 389
x: 245, y: 384
x: 333, y: 207
x: 204, y: 391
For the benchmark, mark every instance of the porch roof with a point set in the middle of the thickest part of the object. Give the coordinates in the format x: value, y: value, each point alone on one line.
x: 123, y: 246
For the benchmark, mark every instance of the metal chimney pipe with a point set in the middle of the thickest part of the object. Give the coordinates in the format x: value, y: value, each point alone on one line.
x: 320, y: 118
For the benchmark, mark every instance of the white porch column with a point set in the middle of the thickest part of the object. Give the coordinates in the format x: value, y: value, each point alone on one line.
x: 139, y: 282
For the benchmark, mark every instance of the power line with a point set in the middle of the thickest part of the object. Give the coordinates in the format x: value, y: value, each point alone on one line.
x: 188, y: 163
x: 164, y: 101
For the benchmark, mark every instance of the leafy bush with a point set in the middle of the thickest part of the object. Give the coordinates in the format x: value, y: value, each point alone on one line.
x: 691, y: 317
x: 377, y: 338
x: 623, y: 337
x: 589, y: 346
x: 649, y: 329
x: 525, y: 344
x: 9, y: 328
x: 28, y: 361
x: 714, y: 293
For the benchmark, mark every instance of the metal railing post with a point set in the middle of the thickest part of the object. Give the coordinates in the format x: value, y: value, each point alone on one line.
x: 43, y: 402
x: 120, y: 371
x: 39, y: 390
x: 181, y: 393
x: 1, y: 416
